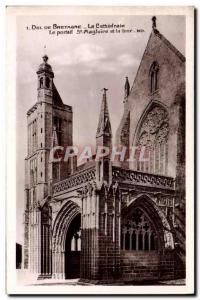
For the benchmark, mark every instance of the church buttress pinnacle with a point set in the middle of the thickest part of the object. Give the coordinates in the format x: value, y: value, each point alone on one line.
x: 104, y: 126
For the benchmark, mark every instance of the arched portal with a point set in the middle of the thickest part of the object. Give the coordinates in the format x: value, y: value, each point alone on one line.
x: 65, y: 226
x: 153, y: 217
x: 73, y: 249
x: 147, y: 242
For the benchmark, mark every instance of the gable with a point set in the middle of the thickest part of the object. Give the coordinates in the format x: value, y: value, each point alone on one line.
x: 171, y: 68
x: 170, y: 65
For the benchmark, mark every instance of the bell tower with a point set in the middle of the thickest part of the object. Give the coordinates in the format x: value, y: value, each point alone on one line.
x: 49, y: 124
x: 45, y: 81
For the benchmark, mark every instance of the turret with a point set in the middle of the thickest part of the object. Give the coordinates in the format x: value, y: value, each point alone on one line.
x: 104, y: 142
x: 45, y: 80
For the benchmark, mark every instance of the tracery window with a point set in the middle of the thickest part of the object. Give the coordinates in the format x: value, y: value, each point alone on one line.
x: 138, y: 233
x: 76, y: 241
x: 154, y: 76
x: 152, y: 140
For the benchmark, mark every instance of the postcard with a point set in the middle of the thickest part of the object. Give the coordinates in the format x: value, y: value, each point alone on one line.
x: 100, y: 166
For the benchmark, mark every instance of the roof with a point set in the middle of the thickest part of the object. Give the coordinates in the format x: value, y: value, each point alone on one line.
x: 57, y: 101
x: 172, y: 47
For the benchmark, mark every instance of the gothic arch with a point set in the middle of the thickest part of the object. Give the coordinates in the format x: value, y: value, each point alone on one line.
x: 65, y: 216
x: 156, y: 217
x: 152, y: 134
x: 63, y: 219
x: 153, y: 77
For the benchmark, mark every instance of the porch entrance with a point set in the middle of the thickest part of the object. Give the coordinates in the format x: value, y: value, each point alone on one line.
x: 73, y: 249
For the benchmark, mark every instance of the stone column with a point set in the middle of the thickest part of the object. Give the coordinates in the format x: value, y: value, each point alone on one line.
x: 38, y: 241
x: 143, y: 239
x: 137, y: 240
x: 53, y: 264
x: 149, y: 239
x: 124, y: 231
x: 130, y: 238
x: 62, y: 273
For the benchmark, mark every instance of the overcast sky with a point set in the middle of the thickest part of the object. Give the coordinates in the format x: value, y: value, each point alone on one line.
x: 82, y: 65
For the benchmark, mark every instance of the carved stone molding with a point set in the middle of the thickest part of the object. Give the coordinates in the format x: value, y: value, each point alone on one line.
x: 155, y: 128
x: 75, y: 180
x: 140, y: 178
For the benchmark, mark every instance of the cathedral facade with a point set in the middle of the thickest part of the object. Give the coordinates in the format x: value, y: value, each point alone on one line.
x: 108, y: 220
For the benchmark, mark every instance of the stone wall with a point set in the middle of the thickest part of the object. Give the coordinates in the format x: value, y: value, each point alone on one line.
x: 147, y: 265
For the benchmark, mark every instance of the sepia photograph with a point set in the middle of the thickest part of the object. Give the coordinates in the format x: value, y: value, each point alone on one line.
x: 103, y: 106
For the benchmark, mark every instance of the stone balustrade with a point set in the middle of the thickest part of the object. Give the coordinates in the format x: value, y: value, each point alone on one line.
x: 123, y: 176
x: 140, y: 178
x: 76, y: 180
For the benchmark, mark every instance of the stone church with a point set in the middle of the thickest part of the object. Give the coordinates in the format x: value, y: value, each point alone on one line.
x: 110, y: 221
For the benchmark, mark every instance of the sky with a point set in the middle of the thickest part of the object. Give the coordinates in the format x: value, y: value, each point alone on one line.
x: 82, y: 66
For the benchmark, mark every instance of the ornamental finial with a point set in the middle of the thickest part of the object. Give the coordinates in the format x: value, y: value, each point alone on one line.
x: 154, y: 22
x: 45, y: 58
x: 104, y: 91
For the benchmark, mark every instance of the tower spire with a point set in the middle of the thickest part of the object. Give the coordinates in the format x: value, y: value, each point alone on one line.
x: 104, y: 139
x: 126, y: 89
x: 104, y: 126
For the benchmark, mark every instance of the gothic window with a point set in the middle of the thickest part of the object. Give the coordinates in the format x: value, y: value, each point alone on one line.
x: 138, y: 233
x: 47, y: 82
x: 76, y: 241
x: 58, y: 126
x: 154, y: 76
x: 152, y: 142
x: 41, y: 82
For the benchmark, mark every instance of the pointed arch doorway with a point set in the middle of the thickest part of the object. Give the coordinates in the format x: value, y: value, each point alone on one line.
x: 73, y: 249
x: 66, y: 243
